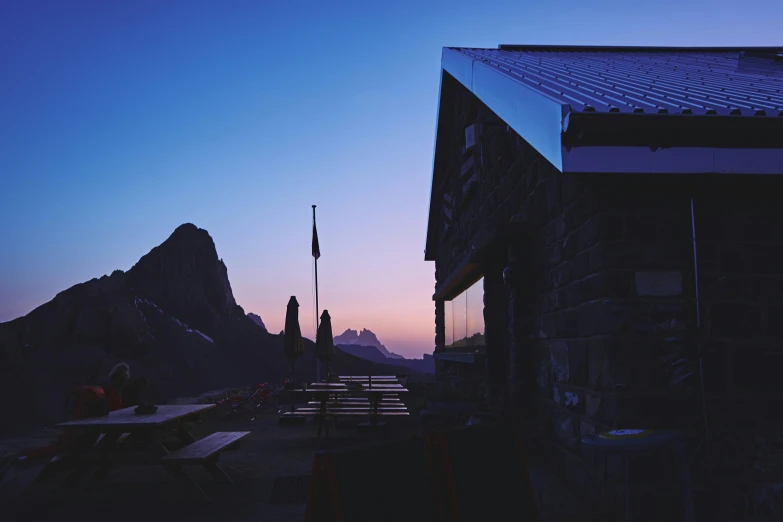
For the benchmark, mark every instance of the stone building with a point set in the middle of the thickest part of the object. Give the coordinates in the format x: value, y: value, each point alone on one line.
x: 608, y: 221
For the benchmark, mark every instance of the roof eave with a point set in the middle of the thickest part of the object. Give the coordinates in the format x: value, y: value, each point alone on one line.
x: 632, y: 48
x: 536, y: 118
x: 672, y: 144
x: 429, y: 247
x: 623, y: 159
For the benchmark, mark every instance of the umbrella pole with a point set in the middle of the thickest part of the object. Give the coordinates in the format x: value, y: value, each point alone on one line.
x: 292, y: 385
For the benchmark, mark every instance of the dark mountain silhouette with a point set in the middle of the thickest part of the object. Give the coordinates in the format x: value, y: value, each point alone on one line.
x: 256, y: 319
x: 172, y: 317
x: 373, y: 353
x: 364, y: 338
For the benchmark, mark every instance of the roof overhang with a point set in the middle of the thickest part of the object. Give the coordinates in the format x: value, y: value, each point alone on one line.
x: 618, y: 143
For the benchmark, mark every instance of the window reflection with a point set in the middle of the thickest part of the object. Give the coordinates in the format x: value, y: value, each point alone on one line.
x: 465, y: 318
x: 449, y: 322
x: 474, y: 314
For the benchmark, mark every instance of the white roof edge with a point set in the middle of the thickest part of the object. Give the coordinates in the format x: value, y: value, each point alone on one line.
x: 434, y: 153
x: 536, y: 118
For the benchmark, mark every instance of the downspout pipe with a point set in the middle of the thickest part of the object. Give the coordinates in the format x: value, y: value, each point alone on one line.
x: 699, y: 340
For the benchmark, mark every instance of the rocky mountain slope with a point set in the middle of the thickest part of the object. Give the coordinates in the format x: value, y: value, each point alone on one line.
x: 256, y: 319
x: 172, y: 317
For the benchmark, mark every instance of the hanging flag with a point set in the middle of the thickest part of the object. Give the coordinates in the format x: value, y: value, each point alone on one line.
x: 316, y: 248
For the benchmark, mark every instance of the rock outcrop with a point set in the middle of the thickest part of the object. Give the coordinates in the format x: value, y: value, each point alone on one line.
x: 185, y: 277
x: 256, y: 319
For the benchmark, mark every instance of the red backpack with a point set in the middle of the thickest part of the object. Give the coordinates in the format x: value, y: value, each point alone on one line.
x: 86, y: 401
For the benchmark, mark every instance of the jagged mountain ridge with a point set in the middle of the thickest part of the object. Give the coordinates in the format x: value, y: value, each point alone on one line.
x: 172, y: 317
x: 364, y: 338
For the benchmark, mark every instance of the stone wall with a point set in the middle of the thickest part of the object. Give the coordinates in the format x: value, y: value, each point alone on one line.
x: 617, y: 343
x: 740, y: 247
x: 611, y: 346
x: 606, y: 332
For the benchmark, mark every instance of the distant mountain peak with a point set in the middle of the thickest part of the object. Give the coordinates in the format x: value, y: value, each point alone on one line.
x: 185, y: 228
x: 364, y: 338
x: 256, y: 319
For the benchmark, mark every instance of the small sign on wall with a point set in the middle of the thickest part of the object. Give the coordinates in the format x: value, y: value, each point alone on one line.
x: 658, y: 284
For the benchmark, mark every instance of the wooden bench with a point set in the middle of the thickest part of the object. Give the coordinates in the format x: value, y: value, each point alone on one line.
x: 206, y: 448
x: 349, y: 413
x: 332, y: 405
x: 349, y: 406
x: 339, y: 404
x: 358, y: 399
x: 120, y: 440
x: 205, y: 452
x: 384, y: 395
x: 357, y: 403
x: 63, y: 458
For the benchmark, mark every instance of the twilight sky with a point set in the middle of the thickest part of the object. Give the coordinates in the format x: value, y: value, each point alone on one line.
x: 120, y: 121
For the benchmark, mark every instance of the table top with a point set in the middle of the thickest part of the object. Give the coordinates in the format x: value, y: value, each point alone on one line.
x: 126, y: 418
x: 345, y: 385
x: 379, y: 381
x: 345, y: 391
x: 374, y: 377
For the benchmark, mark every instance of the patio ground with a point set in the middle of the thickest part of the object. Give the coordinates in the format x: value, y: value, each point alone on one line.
x: 268, y: 453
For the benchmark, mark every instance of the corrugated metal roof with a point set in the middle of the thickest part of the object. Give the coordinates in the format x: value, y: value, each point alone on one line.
x: 652, y: 80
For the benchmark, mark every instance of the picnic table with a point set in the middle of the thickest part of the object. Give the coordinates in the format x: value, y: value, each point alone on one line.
x: 375, y: 378
x: 342, y: 399
x: 159, y: 438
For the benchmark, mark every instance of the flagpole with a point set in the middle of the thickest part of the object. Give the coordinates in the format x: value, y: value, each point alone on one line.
x: 317, y: 319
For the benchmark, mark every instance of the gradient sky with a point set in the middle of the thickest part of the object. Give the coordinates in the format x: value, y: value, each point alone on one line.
x: 120, y: 121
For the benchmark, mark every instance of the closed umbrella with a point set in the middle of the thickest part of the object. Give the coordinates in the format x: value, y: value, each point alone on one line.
x: 292, y: 338
x: 324, y: 342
